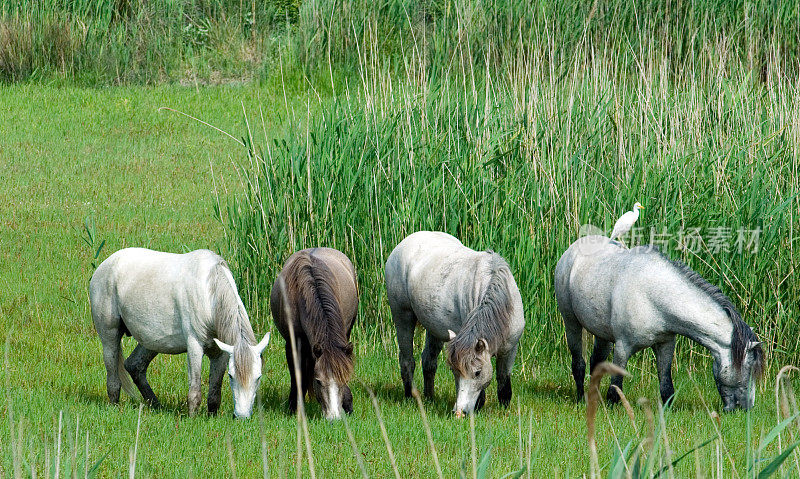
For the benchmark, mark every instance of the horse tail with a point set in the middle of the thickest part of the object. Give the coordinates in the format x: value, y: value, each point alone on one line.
x: 125, y: 378
x: 321, y: 318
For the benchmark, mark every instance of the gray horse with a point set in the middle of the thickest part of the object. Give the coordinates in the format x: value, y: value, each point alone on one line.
x: 434, y: 280
x: 638, y: 298
x: 175, y: 303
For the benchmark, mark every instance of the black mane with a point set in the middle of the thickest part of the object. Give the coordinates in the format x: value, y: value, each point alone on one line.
x: 743, y: 334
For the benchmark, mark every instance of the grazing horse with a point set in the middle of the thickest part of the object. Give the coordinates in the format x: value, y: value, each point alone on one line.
x: 638, y: 298
x: 175, y: 303
x: 316, y: 294
x: 434, y: 280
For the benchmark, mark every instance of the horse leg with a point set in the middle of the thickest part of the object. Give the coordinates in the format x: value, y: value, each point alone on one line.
x: 480, y: 401
x: 574, y: 333
x: 194, y: 360
x: 430, y: 361
x: 216, y: 372
x: 404, y: 322
x: 307, y: 366
x: 292, y: 379
x: 505, y: 362
x: 136, y: 365
x: 622, y: 352
x: 600, y: 352
x: 664, y: 352
x: 112, y: 351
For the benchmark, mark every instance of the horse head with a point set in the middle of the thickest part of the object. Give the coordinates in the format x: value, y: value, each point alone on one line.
x: 473, y: 368
x: 736, y: 379
x: 244, y: 371
x: 332, y: 370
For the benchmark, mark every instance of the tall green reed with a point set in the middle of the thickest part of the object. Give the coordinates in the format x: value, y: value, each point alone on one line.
x: 132, y: 41
x: 512, y: 142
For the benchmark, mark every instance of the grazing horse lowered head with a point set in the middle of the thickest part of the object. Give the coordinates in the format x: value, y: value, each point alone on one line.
x: 466, y: 297
x: 315, y: 298
x: 635, y: 299
x: 175, y: 303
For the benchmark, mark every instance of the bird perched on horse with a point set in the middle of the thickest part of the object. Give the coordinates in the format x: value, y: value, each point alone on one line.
x: 626, y: 222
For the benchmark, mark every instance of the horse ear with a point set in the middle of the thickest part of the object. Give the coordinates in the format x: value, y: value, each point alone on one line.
x: 225, y: 347
x: 316, y: 350
x: 753, y: 344
x: 349, y: 349
x: 452, y: 334
x: 260, y: 347
x: 480, y: 346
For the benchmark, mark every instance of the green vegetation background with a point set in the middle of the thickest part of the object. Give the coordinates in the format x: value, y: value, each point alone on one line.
x: 506, y: 123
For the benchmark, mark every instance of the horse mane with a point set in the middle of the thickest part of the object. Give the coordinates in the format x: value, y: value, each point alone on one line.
x: 310, y: 279
x: 742, y: 333
x: 231, y: 321
x: 489, y: 319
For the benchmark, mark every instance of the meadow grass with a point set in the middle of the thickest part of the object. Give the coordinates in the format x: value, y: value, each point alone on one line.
x: 145, y: 178
x: 93, y: 42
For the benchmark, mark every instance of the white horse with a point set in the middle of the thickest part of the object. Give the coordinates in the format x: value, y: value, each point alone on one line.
x: 635, y: 299
x: 434, y: 280
x: 175, y: 303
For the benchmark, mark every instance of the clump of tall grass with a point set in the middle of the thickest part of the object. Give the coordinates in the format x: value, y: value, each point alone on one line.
x: 514, y: 145
x: 130, y: 41
x: 133, y: 41
x: 650, y: 456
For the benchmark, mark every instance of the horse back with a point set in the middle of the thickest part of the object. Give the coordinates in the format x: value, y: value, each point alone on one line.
x: 331, y: 266
x: 616, y: 293
x: 438, y: 278
x: 157, y: 297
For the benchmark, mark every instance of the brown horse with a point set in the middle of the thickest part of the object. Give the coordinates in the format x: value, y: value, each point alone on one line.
x: 320, y: 300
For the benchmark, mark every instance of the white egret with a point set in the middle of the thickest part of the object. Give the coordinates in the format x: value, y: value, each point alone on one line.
x: 625, y: 222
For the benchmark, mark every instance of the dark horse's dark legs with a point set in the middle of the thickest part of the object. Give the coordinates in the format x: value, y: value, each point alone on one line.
x: 306, y: 365
x: 504, y: 362
x: 292, y: 377
x: 600, y: 353
x: 347, y: 400
x: 622, y: 352
x: 430, y: 361
x: 664, y: 352
x: 136, y: 365
x: 575, y: 343
x: 216, y: 373
x: 481, y: 400
x: 405, y: 321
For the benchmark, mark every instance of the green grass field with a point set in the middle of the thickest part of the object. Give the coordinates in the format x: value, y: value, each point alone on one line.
x: 144, y: 177
x: 504, y: 124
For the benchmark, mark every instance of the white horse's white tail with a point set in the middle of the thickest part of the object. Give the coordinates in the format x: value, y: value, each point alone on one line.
x: 125, y: 379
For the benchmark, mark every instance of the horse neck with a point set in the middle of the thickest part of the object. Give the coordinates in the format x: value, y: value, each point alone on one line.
x: 703, y: 320
x: 230, y: 318
x: 484, y: 310
x: 233, y: 326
